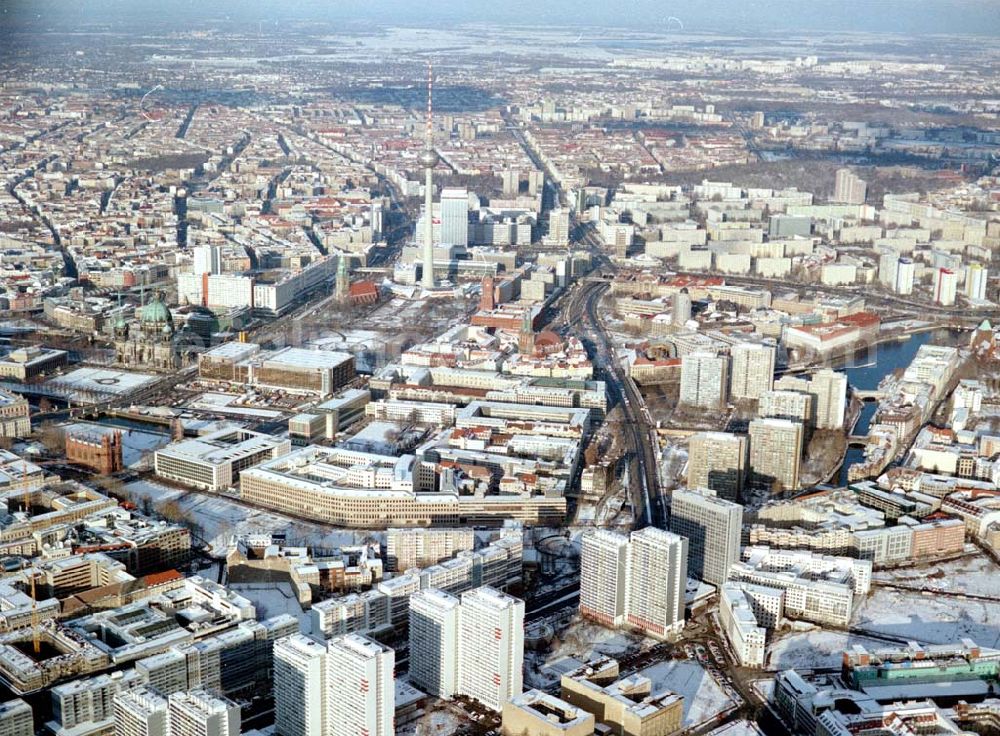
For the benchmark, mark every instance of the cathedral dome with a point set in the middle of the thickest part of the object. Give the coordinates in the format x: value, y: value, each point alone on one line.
x: 155, y: 312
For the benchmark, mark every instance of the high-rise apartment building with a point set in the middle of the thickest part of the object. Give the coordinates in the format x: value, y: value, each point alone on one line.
x: 717, y: 460
x: 603, y: 574
x: 849, y: 188
x: 888, y: 266
x: 360, y: 690
x: 408, y: 548
x: 90, y: 700
x: 945, y: 286
x: 16, y: 718
x: 680, y: 308
x: 976, y: 278
x: 657, y: 581
x: 636, y: 580
x: 704, y: 379
x: 455, y: 216
x: 905, y: 272
x: 141, y: 712
x: 712, y: 527
x: 752, y: 369
x: 434, y: 642
x: 794, y: 405
x: 490, y: 647
x: 830, y: 389
x: 511, y: 182
x: 775, y: 454
x: 299, y: 686
x: 200, y: 713
x: 559, y: 225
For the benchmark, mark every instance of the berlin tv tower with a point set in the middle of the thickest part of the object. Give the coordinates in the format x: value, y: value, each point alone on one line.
x: 429, y: 158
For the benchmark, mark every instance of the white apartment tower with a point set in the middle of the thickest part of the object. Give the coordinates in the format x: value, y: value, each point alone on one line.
x: 976, y: 278
x: 490, y: 647
x: 830, y: 389
x: 849, y: 188
x: 888, y: 266
x: 299, y: 686
x: 199, y: 713
x: 905, y: 273
x: 603, y: 576
x: 717, y: 460
x: 712, y: 527
x: 775, y: 453
x: 141, y: 712
x: 361, y: 695
x: 945, y: 286
x: 752, y: 369
x: 657, y: 581
x: 559, y: 226
x: 434, y: 642
x: 704, y: 379
x: 207, y: 259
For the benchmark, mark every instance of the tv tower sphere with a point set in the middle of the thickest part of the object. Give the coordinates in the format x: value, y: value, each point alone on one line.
x: 429, y: 158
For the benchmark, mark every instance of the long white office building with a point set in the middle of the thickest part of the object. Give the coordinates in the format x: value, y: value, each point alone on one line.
x: 818, y: 588
x: 745, y: 613
x: 214, y: 462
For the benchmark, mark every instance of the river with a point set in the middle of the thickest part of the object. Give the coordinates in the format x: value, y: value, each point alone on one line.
x: 881, y: 361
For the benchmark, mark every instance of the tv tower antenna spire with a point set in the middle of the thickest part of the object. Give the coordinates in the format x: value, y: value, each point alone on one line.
x: 429, y: 158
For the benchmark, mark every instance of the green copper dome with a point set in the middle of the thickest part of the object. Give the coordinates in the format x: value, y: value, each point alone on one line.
x: 155, y: 312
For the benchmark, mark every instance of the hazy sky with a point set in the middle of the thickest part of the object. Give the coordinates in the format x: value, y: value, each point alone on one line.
x: 724, y: 16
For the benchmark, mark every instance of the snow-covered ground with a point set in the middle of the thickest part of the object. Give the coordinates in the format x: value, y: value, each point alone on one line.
x: 930, y: 618
x: 703, y: 698
x: 737, y: 728
x: 672, y: 465
x: 815, y: 649
x: 976, y: 575
x: 273, y: 599
x: 220, y: 517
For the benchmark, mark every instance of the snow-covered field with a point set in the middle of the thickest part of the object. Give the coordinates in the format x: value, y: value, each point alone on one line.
x: 273, y: 599
x: 815, y: 649
x: 221, y: 517
x: 976, y: 575
x: 737, y: 728
x: 703, y: 698
x: 930, y: 618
